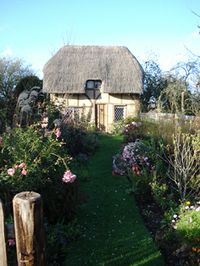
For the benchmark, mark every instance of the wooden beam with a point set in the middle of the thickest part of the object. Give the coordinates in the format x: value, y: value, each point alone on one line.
x: 3, y: 256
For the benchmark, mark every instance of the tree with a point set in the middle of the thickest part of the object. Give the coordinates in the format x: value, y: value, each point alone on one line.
x: 154, y: 84
x: 181, y: 94
x: 12, y: 70
x: 172, y: 98
x: 27, y: 83
x: 193, y: 102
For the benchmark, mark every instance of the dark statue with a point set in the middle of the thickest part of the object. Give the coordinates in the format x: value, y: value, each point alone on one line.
x: 28, y: 104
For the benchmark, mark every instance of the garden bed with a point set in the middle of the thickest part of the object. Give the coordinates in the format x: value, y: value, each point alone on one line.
x: 164, y: 175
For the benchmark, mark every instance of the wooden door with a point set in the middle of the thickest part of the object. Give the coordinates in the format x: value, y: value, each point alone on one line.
x: 100, y: 116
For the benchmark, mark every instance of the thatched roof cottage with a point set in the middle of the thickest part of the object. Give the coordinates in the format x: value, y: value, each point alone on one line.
x: 104, y: 81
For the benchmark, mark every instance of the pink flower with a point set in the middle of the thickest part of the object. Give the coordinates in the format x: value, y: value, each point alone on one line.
x: 68, y: 177
x: 44, y: 123
x: 57, y: 133
x: 45, y: 120
x: 24, y: 172
x: 11, y: 171
x: 22, y: 165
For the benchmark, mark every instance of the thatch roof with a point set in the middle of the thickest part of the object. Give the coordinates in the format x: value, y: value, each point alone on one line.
x: 69, y: 69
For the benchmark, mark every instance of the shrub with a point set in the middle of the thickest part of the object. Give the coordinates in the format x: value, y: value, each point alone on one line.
x: 118, y: 127
x: 134, y: 163
x: 78, y: 140
x: 184, y: 165
x: 133, y: 131
x: 31, y: 162
x: 187, y: 227
x: 58, y: 237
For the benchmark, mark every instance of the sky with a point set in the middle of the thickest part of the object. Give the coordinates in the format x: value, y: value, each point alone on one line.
x: 165, y: 31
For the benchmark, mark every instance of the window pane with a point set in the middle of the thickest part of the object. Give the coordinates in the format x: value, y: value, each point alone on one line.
x: 90, y: 84
x: 97, y: 84
x: 93, y: 84
x: 119, y: 113
x: 72, y: 112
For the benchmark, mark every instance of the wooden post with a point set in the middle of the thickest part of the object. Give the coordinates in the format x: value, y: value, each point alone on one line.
x: 3, y: 256
x: 29, y: 232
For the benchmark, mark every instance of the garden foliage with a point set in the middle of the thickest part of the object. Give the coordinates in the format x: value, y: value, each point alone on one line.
x: 31, y: 162
x: 161, y: 161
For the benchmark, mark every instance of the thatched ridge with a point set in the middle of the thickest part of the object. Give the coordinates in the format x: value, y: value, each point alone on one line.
x: 69, y: 69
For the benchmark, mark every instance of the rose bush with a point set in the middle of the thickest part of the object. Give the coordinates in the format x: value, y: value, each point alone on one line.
x: 31, y: 162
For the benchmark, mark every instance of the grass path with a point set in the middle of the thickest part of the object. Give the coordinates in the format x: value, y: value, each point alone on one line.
x: 114, y: 233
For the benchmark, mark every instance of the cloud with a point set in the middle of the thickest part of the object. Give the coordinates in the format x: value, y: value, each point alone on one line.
x: 7, y: 52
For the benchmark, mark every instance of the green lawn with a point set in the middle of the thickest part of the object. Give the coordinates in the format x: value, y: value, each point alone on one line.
x: 114, y: 232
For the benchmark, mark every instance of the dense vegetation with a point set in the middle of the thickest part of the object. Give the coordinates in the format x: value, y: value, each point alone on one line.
x: 69, y: 164
x: 161, y: 161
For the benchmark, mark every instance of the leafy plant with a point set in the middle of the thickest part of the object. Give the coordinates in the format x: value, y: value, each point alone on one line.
x: 187, y: 226
x: 31, y: 162
x: 78, y: 140
x: 58, y: 237
x: 184, y: 165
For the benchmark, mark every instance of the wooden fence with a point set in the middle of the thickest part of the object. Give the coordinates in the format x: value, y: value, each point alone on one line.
x: 168, y: 116
x: 28, y: 228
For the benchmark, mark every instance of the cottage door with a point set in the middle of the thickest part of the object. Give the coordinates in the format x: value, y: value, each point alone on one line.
x: 100, y: 116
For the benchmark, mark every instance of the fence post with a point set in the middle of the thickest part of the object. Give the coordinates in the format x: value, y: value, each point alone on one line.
x: 3, y: 256
x: 29, y: 230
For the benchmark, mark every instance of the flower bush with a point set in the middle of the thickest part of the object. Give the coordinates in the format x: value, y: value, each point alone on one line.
x: 134, y: 162
x: 31, y: 162
x: 132, y: 131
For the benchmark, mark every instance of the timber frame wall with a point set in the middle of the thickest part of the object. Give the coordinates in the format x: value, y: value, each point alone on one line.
x: 88, y: 101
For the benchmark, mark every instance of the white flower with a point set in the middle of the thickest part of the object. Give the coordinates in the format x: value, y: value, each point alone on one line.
x: 175, y: 216
x: 173, y: 221
x: 187, y: 207
x: 134, y: 123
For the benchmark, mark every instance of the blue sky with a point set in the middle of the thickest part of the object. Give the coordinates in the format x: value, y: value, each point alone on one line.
x: 159, y: 29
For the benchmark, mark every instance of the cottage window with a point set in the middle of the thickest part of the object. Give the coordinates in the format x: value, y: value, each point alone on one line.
x: 93, y: 84
x: 72, y: 113
x: 118, y: 113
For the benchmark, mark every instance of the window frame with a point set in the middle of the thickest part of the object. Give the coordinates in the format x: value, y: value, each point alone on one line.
x: 97, y: 84
x: 124, y: 110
